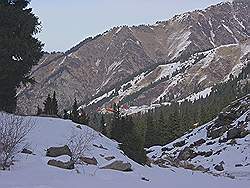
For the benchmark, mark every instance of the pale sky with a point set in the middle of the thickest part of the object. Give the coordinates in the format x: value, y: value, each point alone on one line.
x: 66, y: 23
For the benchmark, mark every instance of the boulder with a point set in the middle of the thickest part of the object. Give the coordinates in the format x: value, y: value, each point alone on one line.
x: 119, y: 165
x: 58, y: 151
x: 219, y: 167
x: 145, y: 179
x: 238, y: 165
x: 90, y: 161
x: 186, y: 153
x: 179, y: 144
x: 26, y: 151
x: 201, y: 168
x: 64, y: 165
x: 237, y: 132
x: 110, y: 158
x: 198, y: 143
x: 166, y: 149
x: 208, y: 154
x: 216, y: 132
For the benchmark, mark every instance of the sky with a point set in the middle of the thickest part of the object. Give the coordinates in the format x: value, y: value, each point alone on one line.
x: 65, y: 23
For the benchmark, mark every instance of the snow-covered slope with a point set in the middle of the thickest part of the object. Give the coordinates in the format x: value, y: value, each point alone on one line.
x: 32, y: 171
x: 223, y: 142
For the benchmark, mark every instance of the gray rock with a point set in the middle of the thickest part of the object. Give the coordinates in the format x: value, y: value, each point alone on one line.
x: 110, y: 158
x: 90, y: 161
x: 186, y: 154
x: 238, y: 165
x: 219, y: 167
x: 64, y: 165
x: 237, y: 132
x: 58, y: 151
x: 26, y: 151
x: 198, y: 143
x: 179, y: 144
x: 119, y: 165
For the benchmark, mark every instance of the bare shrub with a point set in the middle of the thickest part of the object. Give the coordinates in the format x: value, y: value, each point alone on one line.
x: 81, y: 142
x: 13, y: 132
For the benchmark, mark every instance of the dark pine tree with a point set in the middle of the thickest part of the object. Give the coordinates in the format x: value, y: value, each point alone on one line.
x: 75, y: 112
x: 19, y: 50
x: 54, y: 105
x: 39, y: 111
x: 83, y: 118
x: 65, y: 114
x: 103, y: 126
x: 47, y: 105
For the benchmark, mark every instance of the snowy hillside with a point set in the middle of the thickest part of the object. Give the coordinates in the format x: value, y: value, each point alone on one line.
x: 221, y: 146
x: 32, y: 171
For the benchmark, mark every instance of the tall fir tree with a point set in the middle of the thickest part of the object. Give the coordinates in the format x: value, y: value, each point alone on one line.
x: 47, y: 105
x: 75, y: 112
x: 65, y: 114
x: 54, y: 105
x: 19, y: 49
x: 103, y: 126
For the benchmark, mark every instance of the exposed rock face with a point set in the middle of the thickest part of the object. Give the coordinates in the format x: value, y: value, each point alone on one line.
x: 58, y: 151
x: 98, y: 65
x: 119, y: 165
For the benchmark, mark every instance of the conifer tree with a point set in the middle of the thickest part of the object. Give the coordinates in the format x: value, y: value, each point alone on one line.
x: 39, y: 111
x: 75, y: 112
x: 47, y: 106
x: 83, y: 118
x: 65, y: 114
x: 54, y: 105
x: 103, y: 126
x: 19, y: 49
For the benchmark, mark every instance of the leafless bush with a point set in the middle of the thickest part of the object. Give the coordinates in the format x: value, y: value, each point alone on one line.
x: 13, y: 132
x: 80, y: 143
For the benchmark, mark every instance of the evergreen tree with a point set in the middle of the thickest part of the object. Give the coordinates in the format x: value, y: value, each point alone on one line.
x: 75, y: 112
x: 19, y: 50
x: 83, y: 118
x: 103, y: 126
x: 151, y: 136
x: 54, y: 105
x: 47, y: 106
x: 132, y: 142
x: 65, y: 114
x: 116, y: 127
x: 39, y: 111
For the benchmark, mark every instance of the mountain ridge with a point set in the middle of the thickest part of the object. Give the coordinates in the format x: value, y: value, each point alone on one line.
x: 98, y: 64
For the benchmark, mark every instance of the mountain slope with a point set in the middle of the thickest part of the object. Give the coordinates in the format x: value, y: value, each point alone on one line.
x: 98, y: 65
x: 218, y: 147
x: 50, y: 132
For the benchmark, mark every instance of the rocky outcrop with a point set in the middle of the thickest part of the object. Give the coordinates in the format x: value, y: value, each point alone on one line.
x: 119, y: 165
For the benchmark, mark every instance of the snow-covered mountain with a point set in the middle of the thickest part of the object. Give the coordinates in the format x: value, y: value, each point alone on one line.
x: 141, y: 64
x: 33, y: 171
x: 221, y: 146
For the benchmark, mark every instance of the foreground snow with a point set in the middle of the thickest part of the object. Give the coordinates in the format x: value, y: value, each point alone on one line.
x: 32, y: 171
